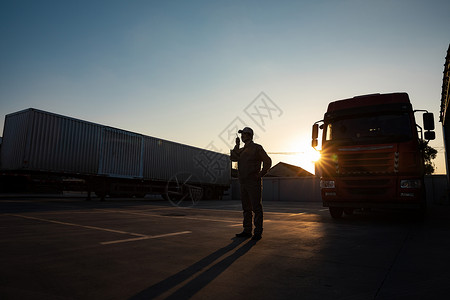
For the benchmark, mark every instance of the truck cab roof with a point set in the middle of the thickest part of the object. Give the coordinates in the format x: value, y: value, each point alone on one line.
x: 368, y: 100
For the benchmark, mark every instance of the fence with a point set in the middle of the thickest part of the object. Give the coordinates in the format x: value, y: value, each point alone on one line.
x: 307, y: 189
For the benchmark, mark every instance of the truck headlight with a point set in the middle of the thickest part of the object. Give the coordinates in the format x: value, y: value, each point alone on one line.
x: 327, y: 184
x: 410, y: 184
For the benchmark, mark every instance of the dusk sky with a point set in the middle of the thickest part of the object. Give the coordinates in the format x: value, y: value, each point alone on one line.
x: 190, y: 71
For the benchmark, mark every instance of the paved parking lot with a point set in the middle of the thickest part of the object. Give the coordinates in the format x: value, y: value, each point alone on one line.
x: 68, y: 248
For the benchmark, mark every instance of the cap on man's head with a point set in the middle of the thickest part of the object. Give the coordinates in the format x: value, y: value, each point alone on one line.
x: 246, y: 130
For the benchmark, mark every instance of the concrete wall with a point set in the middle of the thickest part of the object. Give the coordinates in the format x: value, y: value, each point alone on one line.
x: 308, y: 189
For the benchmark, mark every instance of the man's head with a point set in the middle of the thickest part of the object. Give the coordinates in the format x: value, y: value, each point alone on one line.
x: 246, y: 134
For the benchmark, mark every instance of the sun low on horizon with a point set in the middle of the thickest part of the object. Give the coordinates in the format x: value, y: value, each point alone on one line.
x: 307, y: 159
x: 299, y: 154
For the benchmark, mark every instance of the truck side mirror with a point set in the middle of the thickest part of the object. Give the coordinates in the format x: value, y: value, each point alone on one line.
x: 428, y: 125
x: 315, y: 135
x: 315, y: 131
x: 428, y: 121
x: 430, y: 135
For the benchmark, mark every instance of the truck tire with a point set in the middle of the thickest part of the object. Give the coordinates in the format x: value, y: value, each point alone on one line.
x: 348, y: 211
x: 336, y: 212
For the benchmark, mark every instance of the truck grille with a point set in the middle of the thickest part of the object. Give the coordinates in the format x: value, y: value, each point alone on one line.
x: 367, y: 163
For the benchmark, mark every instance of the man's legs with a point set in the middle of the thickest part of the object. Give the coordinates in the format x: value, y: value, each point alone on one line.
x: 246, y: 208
x: 254, y: 192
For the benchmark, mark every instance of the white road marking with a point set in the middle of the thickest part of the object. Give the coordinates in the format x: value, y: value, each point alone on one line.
x: 78, y: 225
x: 166, y: 216
x: 138, y: 238
x: 145, y: 237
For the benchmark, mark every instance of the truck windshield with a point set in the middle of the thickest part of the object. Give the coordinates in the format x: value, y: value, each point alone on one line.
x: 369, y: 129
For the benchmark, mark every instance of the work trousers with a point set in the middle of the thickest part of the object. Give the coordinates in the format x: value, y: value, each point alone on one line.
x: 252, y: 203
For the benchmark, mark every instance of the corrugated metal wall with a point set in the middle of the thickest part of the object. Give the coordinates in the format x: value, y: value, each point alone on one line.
x: 13, y: 149
x: 38, y: 140
x: 307, y: 189
x: 437, y: 189
x: 121, y: 153
x: 295, y: 189
x: 59, y: 143
x: 165, y: 159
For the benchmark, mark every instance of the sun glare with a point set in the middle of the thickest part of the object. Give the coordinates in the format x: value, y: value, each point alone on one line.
x: 307, y: 157
x: 314, y: 155
x: 304, y: 157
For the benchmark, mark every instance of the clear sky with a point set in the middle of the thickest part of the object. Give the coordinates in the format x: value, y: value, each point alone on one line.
x: 189, y: 71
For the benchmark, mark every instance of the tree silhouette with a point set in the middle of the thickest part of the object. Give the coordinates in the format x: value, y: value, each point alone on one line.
x: 429, y: 153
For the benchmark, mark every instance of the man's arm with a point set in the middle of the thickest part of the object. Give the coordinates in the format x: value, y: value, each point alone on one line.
x: 236, y: 152
x: 267, y: 162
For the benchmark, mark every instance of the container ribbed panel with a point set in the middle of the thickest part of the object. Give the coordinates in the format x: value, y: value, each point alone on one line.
x: 42, y: 141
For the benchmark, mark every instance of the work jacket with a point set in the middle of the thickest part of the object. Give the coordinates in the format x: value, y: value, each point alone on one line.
x: 249, y: 159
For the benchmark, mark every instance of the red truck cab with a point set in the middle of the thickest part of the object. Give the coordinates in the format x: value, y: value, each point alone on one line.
x: 371, y: 155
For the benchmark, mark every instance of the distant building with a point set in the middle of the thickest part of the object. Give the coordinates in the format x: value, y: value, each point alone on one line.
x: 282, y: 169
x: 445, y: 109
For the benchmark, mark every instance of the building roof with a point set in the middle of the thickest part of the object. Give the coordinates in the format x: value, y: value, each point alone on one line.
x: 282, y: 169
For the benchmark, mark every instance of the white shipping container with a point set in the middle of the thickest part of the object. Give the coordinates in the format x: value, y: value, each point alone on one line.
x: 36, y: 140
x: 40, y: 141
x: 121, y: 154
x: 165, y: 160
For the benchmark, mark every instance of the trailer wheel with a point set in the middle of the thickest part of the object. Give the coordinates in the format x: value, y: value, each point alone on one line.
x: 336, y: 212
x: 182, y: 190
x: 211, y: 193
x: 101, y: 195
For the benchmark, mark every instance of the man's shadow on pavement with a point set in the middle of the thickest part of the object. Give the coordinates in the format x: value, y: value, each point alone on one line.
x: 202, y: 280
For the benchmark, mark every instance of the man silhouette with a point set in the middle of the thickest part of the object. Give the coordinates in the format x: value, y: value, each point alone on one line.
x: 249, y: 159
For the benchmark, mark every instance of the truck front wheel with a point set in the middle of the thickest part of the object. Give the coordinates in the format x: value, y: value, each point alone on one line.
x: 336, y: 212
x: 348, y: 211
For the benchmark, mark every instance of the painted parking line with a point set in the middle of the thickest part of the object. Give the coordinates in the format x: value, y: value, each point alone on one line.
x: 166, y: 216
x: 145, y: 237
x: 138, y: 238
x: 78, y: 225
x: 233, y: 223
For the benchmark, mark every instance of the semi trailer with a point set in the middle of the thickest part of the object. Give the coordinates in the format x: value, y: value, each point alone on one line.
x: 110, y: 161
x: 371, y: 154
